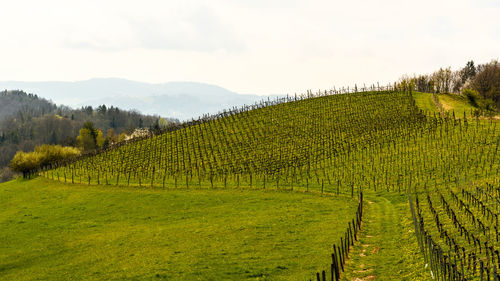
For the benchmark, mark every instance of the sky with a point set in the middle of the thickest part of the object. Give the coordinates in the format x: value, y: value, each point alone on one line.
x: 253, y: 46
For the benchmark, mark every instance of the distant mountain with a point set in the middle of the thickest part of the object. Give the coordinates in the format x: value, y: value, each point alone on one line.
x: 182, y: 100
x: 13, y: 102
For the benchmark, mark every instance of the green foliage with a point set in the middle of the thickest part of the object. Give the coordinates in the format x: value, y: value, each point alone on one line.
x: 473, y: 96
x: 487, y: 83
x: 90, y: 138
x: 25, y: 162
x: 27, y: 120
x: 43, y: 155
x: 53, y: 153
x: 477, y: 100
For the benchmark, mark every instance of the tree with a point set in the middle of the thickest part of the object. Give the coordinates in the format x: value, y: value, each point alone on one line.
x: 487, y: 82
x: 111, y: 136
x: 90, y: 137
x: 442, y: 79
x: 468, y: 72
x: 422, y: 83
x: 102, y: 109
x: 88, y: 109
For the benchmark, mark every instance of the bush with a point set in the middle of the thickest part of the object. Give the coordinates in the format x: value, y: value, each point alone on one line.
x: 53, y: 153
x: 25, y: 162
x: 473, y: 96
x: 43, y: 155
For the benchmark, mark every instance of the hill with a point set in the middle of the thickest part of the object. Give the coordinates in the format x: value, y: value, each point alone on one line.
x: 27, y: 120
x: 181, y: 100
x: 376, y: 145
x: 12, y: 102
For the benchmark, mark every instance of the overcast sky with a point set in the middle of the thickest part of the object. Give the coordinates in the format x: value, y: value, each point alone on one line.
x: 253, y: 46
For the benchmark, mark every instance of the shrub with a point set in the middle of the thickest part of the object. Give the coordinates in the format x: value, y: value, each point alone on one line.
x: 25, y: 162
x: 473, y: 96
x: 43, y: 155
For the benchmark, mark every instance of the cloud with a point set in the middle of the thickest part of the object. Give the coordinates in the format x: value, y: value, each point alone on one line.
x: 197, y: 28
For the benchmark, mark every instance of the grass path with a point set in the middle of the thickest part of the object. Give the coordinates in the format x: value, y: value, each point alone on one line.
x: 425, y: 102
x: 387, y: 248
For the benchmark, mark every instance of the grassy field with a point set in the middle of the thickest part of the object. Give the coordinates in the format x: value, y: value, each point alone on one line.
x: 449, y: 102
x: 424, y: 101
x: 53, y: 231
x: 458, y: 104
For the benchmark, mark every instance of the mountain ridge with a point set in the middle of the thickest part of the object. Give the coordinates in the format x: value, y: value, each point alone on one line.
x: 178, y: 99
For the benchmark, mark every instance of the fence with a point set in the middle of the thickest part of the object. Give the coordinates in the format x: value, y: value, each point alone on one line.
x: 341, y: 251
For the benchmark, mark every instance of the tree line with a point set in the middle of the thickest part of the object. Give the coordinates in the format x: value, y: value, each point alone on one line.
x: 481, y: 83
x: 28, y: 121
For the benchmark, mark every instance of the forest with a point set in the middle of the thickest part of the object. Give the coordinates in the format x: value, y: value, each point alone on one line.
x: 27, y: 121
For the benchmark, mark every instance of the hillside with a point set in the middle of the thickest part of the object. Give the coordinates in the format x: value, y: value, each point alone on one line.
x: 288, y: 138
x: 445, y: 104
x: 27, y: 120
x: 12, y: 102
x: 383, y: 146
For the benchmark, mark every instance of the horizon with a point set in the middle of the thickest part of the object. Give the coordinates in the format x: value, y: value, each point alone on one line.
x: 134, y: 81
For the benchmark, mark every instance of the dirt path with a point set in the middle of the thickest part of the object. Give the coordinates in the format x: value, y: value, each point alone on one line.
x: 438, y: 104
x: 387, y: 248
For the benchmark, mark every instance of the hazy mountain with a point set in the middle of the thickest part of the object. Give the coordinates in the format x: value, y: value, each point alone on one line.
x: 182, y: 100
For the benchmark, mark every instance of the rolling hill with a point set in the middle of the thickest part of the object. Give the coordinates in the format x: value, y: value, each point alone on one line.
x: 383, y: 151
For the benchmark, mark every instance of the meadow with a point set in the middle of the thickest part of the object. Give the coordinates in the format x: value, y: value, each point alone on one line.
x: 55, y: 231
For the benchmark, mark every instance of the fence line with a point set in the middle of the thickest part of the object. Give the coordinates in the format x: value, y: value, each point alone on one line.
x: 341, y: 251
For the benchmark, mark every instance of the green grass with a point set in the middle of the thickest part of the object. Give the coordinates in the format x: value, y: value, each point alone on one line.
x: 387, y: 248
x: 449, y: 102
x: 424, y: 101
x: 457, y: 103
x: 53, y: 231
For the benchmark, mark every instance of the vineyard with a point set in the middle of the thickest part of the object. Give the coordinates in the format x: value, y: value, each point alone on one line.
x: 367, y: 144
x: 294, y: 143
